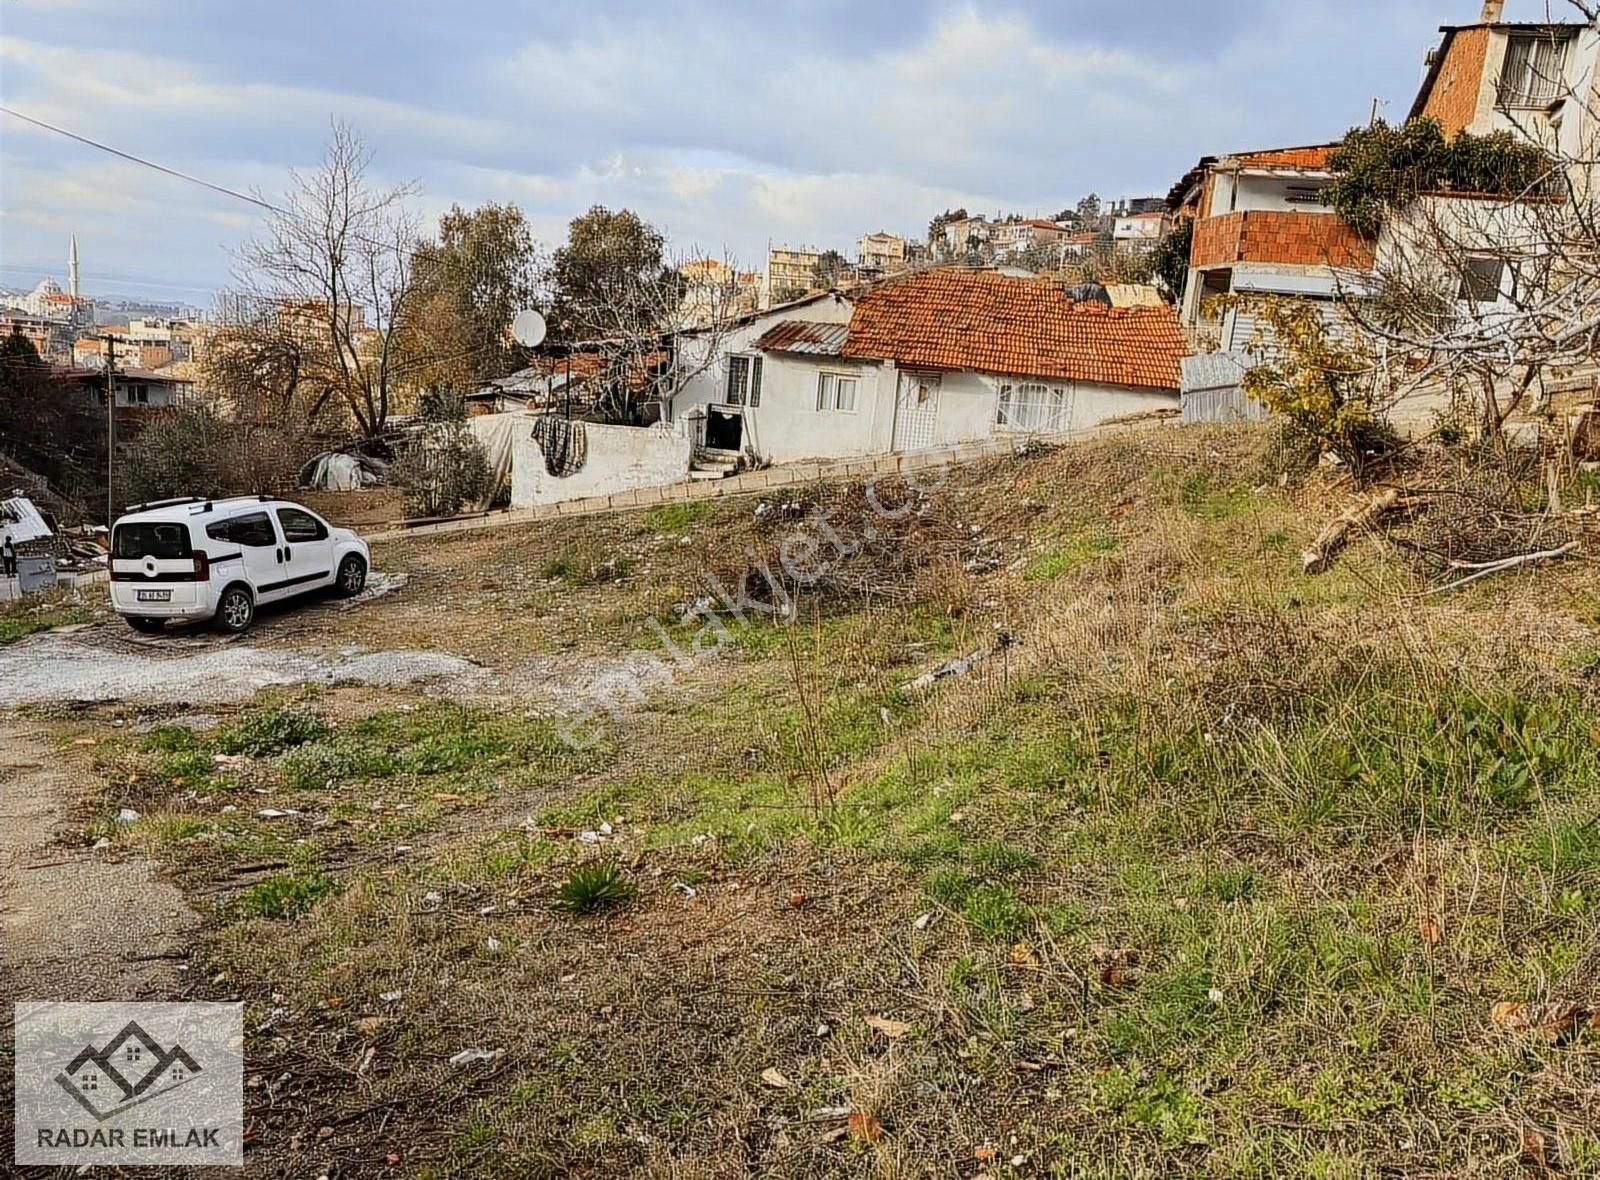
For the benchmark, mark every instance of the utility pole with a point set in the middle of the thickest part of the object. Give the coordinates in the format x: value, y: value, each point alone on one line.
x: 111, y: 427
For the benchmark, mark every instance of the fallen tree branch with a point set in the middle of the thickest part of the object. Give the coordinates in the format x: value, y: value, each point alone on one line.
x: 1485, y: 569
x: 1319, y: 557
x: 958, y: 667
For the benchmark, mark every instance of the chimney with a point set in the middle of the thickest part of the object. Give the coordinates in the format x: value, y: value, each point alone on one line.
x: 1493, y: 10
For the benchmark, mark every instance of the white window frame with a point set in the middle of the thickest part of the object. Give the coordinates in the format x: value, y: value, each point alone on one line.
x: 836, y: 377
x: 1018, y: 403
x: 1540, y: 62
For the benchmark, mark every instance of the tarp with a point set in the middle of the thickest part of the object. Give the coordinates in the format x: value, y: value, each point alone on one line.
x: 335, y: 472
x: 21, y: 521
x: 496, y: 433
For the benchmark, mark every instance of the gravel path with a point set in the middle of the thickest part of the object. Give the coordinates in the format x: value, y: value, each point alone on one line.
x: 75, y: 924
x: 106, y: 664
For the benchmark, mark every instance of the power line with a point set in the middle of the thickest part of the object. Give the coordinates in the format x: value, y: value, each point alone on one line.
x: 94, y: 143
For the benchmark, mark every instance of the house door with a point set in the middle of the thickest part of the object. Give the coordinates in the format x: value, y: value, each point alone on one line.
x: 916, y: 410
x: 724, y: 429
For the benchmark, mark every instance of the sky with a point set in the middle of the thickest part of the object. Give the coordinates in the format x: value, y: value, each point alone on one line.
x: 729, y: 124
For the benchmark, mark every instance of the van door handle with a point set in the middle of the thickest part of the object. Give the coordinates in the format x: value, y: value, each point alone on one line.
x: 279, y: 555
x: 287, y: 555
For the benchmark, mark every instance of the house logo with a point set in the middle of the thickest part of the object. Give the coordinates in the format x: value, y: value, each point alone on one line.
x: 131, y: 1070
x: 117, y: 1084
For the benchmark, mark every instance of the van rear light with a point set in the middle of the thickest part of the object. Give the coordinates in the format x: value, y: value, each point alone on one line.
x: 202, y: 568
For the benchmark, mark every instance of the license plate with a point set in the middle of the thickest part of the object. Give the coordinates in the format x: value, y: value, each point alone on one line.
x: 153, y: 595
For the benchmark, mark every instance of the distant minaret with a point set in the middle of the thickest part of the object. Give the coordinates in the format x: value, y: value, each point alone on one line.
x: 72, y: 268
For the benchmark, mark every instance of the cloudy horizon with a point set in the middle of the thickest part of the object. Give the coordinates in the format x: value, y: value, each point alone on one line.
x: 726, y: 125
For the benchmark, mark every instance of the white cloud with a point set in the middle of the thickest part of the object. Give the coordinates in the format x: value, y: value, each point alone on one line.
x: 118, y: 90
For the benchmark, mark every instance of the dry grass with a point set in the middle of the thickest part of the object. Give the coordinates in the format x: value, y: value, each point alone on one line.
x: 1216, y: 871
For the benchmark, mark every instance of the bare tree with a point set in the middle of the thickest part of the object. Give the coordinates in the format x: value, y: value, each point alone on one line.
x: 648, y: 327
x: 1488, y: 289
x: 336, y: 252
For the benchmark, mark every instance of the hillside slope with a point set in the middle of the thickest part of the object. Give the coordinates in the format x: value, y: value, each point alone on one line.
x: 1206, y: 868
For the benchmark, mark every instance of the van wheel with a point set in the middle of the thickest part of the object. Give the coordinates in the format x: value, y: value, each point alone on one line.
x: 352, y: 576
x: 147, y: 626
x: 235, y: 610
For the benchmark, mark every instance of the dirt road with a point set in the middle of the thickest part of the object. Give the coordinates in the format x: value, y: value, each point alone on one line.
x: 76, y: 924
x: 107, y: 663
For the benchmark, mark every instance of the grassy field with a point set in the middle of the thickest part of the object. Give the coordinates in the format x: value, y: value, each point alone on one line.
x: 1211, y: 869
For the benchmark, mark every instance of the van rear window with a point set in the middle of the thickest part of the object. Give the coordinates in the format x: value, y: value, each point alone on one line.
x: 160, y: 539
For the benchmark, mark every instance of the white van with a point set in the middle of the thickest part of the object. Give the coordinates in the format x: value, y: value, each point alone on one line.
x: 193, y: 559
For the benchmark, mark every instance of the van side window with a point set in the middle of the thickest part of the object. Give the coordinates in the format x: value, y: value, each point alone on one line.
x: 254, y: 530
x: 301, y: 526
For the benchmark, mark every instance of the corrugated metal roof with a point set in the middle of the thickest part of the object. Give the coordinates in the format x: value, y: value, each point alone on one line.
x: 1214, y: 370
x: 805, y: 336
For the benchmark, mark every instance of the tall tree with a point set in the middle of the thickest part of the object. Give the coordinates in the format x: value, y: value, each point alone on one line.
x: 611, y: 277
x: 338, y: 251
x: 1089, y: 211
x: 830, y: 268
x: 471, y: 284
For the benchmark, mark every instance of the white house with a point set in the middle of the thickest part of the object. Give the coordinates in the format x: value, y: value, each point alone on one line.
x: 727, y: 399
x: 935, y: 358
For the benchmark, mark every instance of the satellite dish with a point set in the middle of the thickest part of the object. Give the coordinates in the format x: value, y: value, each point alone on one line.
x: 528, y: 328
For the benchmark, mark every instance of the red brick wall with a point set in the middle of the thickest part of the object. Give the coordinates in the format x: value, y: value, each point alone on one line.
x: 1454, y: 97
x: 1216, y: 240
x: 1289, y: 239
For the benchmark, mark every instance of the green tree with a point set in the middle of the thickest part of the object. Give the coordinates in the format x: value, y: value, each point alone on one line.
x: 54, y: 429
x: 471, y: 284
x: 611, y: 278
x: 940, y: 220
x: 1089, y: 210
x: 1169, y: 262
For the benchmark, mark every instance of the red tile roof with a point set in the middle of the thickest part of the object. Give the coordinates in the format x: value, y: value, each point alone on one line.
x: 979, y: 320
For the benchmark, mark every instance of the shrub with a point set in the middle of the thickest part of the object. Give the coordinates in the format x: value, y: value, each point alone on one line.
x: 599, y: 885
x: 191, y: 451
x: 287, y: 895
x: 1381, y: 167
x: 446, y: 469
x: 271, y: 732
x: 1325, y: 389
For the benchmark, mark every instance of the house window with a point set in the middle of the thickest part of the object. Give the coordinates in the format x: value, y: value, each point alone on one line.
x: 836, y: 392
x: 1532, y: 75
x: 744, y: 381
x: 1482, y: 280
x: 88, y: 1081
x: 1033, y: 407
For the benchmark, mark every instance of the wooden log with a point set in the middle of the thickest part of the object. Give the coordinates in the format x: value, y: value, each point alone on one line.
x: 1319, y: 557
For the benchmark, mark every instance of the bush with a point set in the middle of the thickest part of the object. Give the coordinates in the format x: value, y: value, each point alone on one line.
x: 446, y: 469
x: 1324, y: 389
x: 192, y: 451
x: 271, y: 732
x: 1381, y: 167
